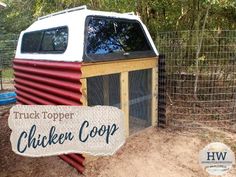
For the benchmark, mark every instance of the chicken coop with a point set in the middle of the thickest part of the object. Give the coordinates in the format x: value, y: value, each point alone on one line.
x: 86, y: 57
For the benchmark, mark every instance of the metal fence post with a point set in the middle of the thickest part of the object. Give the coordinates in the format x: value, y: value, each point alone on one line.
x: 161, y: 92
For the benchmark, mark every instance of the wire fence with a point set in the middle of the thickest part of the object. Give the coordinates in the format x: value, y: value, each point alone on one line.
x: 7, y: 51
x: 200, y: 77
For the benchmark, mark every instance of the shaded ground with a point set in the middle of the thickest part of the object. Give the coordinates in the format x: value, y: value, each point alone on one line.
x: 150, y: 153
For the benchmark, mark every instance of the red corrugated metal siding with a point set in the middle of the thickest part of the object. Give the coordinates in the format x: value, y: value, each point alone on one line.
x: 49, y: 83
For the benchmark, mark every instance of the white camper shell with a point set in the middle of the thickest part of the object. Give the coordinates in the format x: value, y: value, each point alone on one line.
x: 72, y: 25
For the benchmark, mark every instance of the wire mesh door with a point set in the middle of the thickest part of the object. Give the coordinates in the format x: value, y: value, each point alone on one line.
x: 105, y: 90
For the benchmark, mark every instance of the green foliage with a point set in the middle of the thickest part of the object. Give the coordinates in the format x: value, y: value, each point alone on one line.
x: 7, y: 49
x: 161, y: 15
x: 16, y: 17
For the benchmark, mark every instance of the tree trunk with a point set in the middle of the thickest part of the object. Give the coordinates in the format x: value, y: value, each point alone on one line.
x: 199, y: 43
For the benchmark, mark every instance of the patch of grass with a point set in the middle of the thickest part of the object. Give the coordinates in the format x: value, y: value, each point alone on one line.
x: 7, y: 73
x: 218, y: 136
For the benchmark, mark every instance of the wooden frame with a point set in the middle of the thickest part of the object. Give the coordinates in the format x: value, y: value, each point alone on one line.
x: 124, y: 98
x: 113, y: 67
x: 154, y: 97
x: 84, y: 91
x: 123, y: 67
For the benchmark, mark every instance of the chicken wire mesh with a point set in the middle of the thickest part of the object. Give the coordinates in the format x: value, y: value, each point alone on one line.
x: 200, y: 77
x: 7, y: 50
x: 105, y: 90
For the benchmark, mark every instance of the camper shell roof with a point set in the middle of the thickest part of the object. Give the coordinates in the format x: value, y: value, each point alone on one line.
x: 74, y: 19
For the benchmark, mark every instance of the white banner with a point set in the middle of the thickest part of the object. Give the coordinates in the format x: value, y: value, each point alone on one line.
x: 53, y: 130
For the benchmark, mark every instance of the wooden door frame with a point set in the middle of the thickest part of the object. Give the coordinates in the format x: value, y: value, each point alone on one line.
x: 123, y: 67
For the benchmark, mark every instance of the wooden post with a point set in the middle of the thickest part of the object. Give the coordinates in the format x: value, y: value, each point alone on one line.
x: 124, y: 98
x: 106, y: 89
x: 84, y: 91
x: 154, y: 90
x: 1, y: 79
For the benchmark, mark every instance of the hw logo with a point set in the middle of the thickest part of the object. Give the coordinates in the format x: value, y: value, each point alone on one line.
x: 216, y: 158
x: 220, y: 156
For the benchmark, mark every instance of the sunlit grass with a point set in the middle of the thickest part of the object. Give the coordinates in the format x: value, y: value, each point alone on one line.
x: 7, y: 73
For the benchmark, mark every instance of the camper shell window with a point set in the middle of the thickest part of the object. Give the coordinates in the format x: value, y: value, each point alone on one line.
x: 109, y: 38
x: 52, y: 40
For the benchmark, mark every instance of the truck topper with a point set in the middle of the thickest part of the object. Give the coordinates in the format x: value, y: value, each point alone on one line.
x: 80, y: 34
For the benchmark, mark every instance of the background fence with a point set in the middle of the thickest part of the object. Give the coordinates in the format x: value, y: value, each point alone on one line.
x: 7, y: 50
x: 200, y: 77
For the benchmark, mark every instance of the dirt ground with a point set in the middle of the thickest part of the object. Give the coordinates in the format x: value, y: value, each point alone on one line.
x: 160, y: 153
x: 150, y: 153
